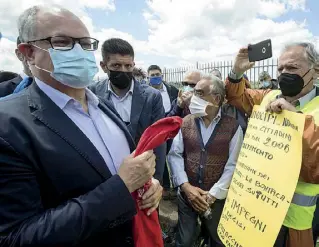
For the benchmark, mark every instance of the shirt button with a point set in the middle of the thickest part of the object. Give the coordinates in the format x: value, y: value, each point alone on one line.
x: 200, y: 181
x: 201, y: 167
x: 203, y: 150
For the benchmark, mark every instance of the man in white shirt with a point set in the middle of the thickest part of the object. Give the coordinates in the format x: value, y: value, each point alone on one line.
x: 169, y: 93
x: 202, y: 161
x: 139, y: 105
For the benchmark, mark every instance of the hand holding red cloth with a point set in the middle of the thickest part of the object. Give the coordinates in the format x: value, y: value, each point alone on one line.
x: 146, y: 229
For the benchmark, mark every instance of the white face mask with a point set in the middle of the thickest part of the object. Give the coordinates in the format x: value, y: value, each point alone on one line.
x: 198, y: 106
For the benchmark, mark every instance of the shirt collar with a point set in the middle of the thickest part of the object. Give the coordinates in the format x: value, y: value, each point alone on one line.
x: 129, y: 91
x: 163, y: 89
x: 307, y: 98
x: 217, y: 117
x: 61, y: 99
x: 23, y: 75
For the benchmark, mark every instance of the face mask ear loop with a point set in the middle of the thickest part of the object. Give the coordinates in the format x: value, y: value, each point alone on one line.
x: 308, y: 81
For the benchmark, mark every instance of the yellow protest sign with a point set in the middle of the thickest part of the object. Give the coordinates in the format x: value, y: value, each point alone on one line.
x: 264, y: 180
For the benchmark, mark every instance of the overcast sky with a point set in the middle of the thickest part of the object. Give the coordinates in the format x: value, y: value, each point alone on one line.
x: 173, y: 33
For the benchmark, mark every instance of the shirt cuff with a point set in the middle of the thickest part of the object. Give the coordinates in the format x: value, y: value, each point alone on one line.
x: 180, y: 179
x: 234, y: 76
x: 218, y: 193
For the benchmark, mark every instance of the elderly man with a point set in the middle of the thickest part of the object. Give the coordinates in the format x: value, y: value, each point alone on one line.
x: 216, y: 73
x: 298, y: 69
x: 180, y: 105
x: 66, y: 172
x: 202, y: 160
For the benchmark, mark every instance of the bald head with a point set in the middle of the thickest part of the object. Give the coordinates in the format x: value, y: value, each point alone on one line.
x: 193, y: 76
x: 45, y: 21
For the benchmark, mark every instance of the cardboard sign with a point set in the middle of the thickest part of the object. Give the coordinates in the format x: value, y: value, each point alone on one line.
x: 264, y: 180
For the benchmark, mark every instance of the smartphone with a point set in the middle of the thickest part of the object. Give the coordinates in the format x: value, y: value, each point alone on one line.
x: 260, y: 51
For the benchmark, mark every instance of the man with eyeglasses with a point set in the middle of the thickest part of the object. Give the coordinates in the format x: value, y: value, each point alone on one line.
x: 66, y: 168
x: 202, y: 160
x: 180, y: 105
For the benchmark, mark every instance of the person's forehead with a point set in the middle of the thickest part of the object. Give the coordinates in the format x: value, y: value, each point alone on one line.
x: 121, y: 59
x: 293, y: 55
x: 203, y: 85
x: 192, y: 77
x: 60, y: 23
x: 154, y: 71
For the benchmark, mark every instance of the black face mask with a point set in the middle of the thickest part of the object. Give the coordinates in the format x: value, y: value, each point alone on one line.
x: 292, y: 84
x: 121, y: 79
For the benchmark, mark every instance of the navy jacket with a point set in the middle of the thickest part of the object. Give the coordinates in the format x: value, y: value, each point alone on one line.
x: 147, y: 108
x: 7, y: 87
x: 55, y: 189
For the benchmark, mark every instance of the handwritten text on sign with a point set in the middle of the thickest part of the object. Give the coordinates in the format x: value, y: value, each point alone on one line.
x: 264, y: 181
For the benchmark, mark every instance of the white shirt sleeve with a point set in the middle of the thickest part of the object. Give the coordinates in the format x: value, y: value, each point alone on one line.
x: 175, y: 161
x: 220, y: 189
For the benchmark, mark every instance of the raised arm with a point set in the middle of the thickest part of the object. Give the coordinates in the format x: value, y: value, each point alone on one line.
x: 237, y: 93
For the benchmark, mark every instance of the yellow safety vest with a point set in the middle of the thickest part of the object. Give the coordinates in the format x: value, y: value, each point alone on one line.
x: 303, y: 204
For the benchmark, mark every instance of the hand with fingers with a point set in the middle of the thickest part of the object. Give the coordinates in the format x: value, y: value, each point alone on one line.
x: 241, y: 63
x: 184, y: 98
x: 152, y: 197
x: 196, y: 197
x: 135, y: 172
x: 278, y: 105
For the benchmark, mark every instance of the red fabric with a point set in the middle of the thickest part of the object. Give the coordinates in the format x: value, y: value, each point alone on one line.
x: 146, y: 229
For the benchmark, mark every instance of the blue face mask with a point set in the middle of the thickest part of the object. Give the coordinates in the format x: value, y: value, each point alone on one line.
x: 266, y: 83
x: 156, y: 80
x: 75, y: 68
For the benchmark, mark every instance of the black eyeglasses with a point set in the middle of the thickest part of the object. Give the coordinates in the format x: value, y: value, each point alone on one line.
x: 65, y: 43
x: 185, y: 83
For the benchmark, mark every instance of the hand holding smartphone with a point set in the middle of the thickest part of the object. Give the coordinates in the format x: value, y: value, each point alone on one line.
x: 260, y: 51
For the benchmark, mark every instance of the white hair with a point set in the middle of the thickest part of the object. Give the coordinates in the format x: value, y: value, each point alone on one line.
x: 216, y: 72
x: 217, y: 86
x: 189, y: 72
x: 310, y: 53
x: 27, y: 22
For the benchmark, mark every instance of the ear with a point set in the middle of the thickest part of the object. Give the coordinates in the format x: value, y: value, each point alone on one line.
x: 19, y: 55
x: 103, y: 66
x: 28, y: 52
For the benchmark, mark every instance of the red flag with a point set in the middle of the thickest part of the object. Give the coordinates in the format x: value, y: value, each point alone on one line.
x: 146, y: 229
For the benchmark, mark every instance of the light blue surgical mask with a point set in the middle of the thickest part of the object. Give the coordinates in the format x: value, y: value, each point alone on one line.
x: 156, y: 80
x: 74, y: 68
x: 188, y: 89
x: 266, y: 83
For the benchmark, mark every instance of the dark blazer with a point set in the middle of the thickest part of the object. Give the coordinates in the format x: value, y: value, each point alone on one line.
x: 172, y: 92
x: 7, y: 87
x: 55, y: 188
x: 147, y: 108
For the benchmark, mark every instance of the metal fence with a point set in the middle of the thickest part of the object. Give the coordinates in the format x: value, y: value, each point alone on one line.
x: 175, y: 75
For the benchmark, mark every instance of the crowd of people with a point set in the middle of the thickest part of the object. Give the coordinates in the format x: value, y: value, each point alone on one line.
x: 67, y: 163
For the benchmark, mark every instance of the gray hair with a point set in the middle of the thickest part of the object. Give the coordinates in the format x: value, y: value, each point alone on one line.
x: 27, y: 22
x: 189, y: 72
x: 310, y: 53
x: 217, y: 86
x: 216, y: 73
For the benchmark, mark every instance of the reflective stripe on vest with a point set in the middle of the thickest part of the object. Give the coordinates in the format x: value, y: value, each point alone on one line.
x: 303, y: 205
x: 304, y: 201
